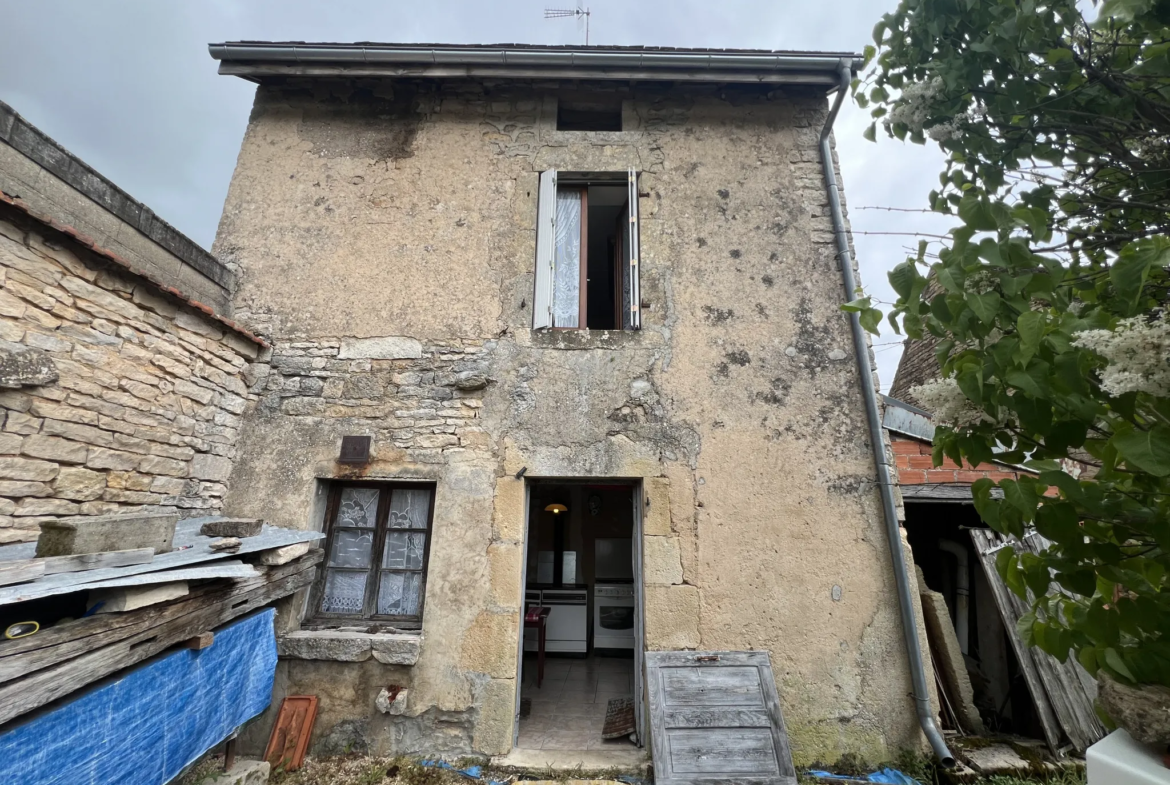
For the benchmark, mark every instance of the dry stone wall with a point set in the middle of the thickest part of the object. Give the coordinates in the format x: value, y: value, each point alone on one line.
x: 142, y: 406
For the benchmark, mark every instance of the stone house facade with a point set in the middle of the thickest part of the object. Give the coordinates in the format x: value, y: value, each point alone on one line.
x: 384, y: 225
x: 117, y: 390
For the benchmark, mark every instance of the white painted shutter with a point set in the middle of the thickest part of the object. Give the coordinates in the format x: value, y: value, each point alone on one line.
x: 546, y: 216
x: 631, y: 290
x: 715, y: 719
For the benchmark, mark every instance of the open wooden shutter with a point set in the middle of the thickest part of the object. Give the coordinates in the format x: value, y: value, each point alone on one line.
x: 715, y: 718
x: 631, y: 291
x: 546, y: 216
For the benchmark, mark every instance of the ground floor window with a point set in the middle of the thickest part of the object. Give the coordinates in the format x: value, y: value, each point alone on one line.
x: 378, y: 539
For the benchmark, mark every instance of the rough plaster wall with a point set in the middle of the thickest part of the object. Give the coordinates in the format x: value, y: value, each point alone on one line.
x: 737, y: 402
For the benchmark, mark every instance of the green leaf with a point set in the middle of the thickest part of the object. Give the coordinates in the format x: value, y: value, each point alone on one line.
x: 856, y: 306
x: 1129, y: 272
x: 1058, y: 522
x: 870, y: 133
x: 1148, y: 451
x: 1030, y: 326
x: 985, y: 306
x: 1115, y: 663
x: 871, y: 319
x: 902, y: 279
x: 975, y: 212
x: 1020, y: 495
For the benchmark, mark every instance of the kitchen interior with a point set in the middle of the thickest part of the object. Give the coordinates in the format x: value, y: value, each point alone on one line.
x: 580, y: 588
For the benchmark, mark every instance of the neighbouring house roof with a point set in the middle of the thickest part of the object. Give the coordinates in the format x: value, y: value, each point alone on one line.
x: 256, y: 60
x: 44, y: 151
x: 110, y: 256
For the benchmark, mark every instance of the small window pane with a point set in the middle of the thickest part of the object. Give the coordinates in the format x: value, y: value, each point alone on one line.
x: 404, y: 551
x: 359, y: 507
x: 409, y: 508
x: 345, y: 592
x: 398, y: 593
x: 567, y: 260
x: 351, y: 548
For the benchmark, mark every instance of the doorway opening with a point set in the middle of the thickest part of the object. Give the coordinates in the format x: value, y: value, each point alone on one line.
x: 581, y: 644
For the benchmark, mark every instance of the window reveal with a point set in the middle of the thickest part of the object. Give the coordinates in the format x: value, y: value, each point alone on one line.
x: 587, y: 253
x: 377, y: 548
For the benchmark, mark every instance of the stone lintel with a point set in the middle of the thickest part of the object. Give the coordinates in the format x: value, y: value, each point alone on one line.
x: 346, y: 646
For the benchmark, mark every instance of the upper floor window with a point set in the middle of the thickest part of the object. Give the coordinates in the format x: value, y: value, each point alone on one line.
x: 377, y: 543
x: 587, y: 246
x: 596, y: 115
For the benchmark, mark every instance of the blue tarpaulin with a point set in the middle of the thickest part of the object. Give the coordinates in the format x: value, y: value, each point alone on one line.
x: 146, y: 726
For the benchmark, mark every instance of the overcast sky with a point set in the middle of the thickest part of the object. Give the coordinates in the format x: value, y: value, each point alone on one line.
x: 128, y: 86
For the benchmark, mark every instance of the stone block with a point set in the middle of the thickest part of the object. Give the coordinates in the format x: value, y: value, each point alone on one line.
x: 100, y: 458
x: 508, y: 515
x: 18, y: 488
x: 107, y: 533
x: 129, y: 598
x: 214, y: 468
x: 31, y: 506
x: 950, y: 661
x: 10, y: 443
x: 54, y: 448
x: 284, y: 555
x: 504, y: 570
x: 233, y: 527
x: 489, y: 645
x: 83, y: 434
x: 154, y: 464
x: 469, y: 380
x: 672, y: 618
x: 21, y: 366
x: 79, y: 484
x: 661, y: 562
x: 392, y: 701
x: 347, y: 646
x: 493, y: 726
x: 656, y: 520
x: 27, y: 469
x: 388, y: 348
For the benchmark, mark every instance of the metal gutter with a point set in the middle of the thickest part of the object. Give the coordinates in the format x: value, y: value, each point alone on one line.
x: 247, y: 58
x: 921, y: 690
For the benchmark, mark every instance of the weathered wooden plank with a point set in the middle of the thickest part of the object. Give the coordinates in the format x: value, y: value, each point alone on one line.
x: 986, y: 544
x: 1064, y: 682
x: 25, y: 694
x: 96, y: 561
x: 750, y: 751
x: 220, y: 569
x: 21, y: 571
x: 733, y: 685
x: 715, y: 717
x: 49, y: 647
x: 186, y: 534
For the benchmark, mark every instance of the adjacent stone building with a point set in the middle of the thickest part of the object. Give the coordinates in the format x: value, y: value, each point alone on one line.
x: 403, y: 222
x: 117, y: 389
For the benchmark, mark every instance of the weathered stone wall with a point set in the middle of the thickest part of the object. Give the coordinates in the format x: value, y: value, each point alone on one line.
x: 405, y: 213
x: 140, y: 398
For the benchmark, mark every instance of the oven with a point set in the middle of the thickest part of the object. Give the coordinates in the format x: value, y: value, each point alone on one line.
x: 613, y: 616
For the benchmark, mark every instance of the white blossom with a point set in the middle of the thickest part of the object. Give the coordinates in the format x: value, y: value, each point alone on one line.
x: 915, y: 104
x: 948, y: 405
x: 1137, y: 354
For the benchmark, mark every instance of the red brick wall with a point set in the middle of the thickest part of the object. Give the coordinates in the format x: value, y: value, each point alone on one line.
x: 912, y: 459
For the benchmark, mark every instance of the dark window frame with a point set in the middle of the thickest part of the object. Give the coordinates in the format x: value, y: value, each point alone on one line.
x: 590, y: 115
x: 375, y: 570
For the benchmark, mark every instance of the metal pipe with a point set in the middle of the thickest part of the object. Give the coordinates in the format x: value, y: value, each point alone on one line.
x: 962, y: 590
x: 869, y: 394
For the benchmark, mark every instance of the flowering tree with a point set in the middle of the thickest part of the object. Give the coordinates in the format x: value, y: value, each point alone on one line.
x: 1048, y: 298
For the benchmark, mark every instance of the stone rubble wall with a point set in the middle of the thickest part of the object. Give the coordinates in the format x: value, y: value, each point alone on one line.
x: 422, y: 399
x: 147, y: 405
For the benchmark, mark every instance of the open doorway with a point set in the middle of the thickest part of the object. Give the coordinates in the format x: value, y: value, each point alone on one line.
x: 582, y: 590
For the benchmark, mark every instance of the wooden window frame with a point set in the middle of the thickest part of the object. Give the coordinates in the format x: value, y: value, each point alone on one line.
x: 375, y: 570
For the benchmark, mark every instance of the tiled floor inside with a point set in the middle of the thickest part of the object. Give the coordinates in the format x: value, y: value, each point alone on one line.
x: 568, y: 709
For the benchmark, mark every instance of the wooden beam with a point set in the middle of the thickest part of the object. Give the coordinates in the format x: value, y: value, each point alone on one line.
x: 96, y: 561
x: 21, y: 571
x: 200, y: 641
x: 51, y: 676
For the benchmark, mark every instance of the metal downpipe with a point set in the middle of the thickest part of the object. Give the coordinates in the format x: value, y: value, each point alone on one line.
x: 885, y: 484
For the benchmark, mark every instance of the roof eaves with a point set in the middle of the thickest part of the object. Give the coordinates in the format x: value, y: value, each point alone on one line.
x: 105, y: 253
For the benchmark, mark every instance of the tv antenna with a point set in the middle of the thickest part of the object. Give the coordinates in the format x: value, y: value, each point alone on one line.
x: 576, y: 13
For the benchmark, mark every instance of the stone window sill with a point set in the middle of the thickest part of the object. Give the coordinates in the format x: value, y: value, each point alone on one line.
x: 594, y: 339
x: 345, y: 646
